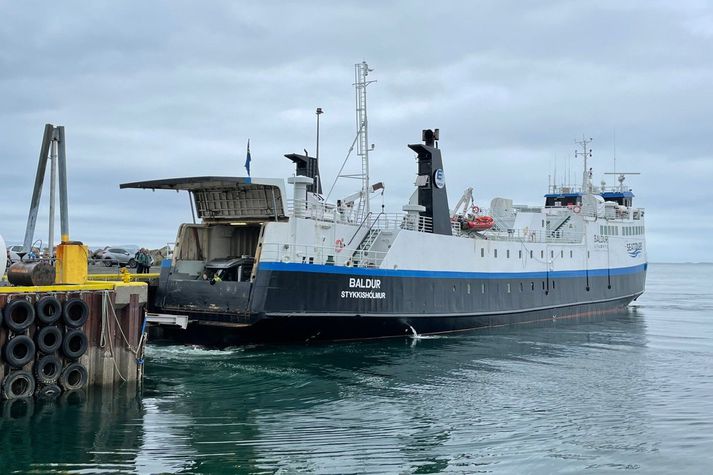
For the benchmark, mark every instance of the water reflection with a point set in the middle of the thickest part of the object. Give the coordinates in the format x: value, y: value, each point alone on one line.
x: 505, y: 398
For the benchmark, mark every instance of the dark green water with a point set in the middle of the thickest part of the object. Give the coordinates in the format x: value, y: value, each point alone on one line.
x: 631, y: 392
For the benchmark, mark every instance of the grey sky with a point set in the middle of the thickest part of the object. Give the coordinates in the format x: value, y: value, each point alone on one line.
x: 159, y: 89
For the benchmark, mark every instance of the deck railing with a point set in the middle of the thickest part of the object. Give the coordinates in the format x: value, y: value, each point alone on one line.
x: 329, y: 212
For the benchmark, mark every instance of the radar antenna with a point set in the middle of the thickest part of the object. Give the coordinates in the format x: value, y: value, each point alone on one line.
x: 622, y: 177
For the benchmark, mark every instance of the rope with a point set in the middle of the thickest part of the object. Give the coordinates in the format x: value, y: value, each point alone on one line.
x: 137, y: 352
x: 105, y: 299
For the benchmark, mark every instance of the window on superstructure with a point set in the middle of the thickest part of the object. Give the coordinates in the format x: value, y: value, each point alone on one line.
x: 495, y: 253
x: 532, y: 286
x: 508, y: 288
x: 553, y: 284
x: 543, y: 285
x: 522, y: 287
x: 468, y: 287
x: 530, y: 254
x: 542, y: 254
x: 507, y: 254
x: 519, y: 254
x: 552, y: 254
x: 482, y: 288
x: 482, y: 252
x: 562, y: 253
x: 571, y: 254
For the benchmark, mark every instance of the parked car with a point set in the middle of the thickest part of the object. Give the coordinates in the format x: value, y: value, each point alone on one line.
x: 97, y: 253
x: 13, y: 254
x: 118, y: 256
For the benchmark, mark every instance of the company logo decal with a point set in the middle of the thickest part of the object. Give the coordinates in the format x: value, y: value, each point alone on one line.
x: 634, y: 248
x: 439, y: 178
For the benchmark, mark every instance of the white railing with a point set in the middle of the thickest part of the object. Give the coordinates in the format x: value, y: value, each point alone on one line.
x: 322, y: 255
x: 329, y: 212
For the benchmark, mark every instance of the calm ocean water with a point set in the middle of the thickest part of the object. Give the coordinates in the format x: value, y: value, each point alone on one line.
x: 632, y: 392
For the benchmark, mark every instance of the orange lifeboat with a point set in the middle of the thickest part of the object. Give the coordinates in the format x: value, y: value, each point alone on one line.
x: 481, y: 223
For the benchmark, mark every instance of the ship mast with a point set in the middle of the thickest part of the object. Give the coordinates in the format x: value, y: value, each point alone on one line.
x: 585, y: 153
x: 361, y: 70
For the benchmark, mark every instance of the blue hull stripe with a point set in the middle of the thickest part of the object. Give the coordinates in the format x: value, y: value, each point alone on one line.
x: 323, y: 269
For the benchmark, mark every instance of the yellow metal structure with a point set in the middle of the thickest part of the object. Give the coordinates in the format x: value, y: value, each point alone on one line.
x: 71, y: 263
x: 123, y: 276
x: 12, y: 289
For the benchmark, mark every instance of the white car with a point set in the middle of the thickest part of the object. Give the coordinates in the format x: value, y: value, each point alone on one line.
x: 13, y: 253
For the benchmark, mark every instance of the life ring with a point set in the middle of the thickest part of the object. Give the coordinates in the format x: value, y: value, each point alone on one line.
x: 339, y: 245
x: 576, y: 209
x: 475, y: 209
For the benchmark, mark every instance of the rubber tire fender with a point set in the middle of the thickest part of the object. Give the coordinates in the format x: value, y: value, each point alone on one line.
x: 21, y: 308
x: 43, y: 334
x: 18, y: 384
x: 51, y: 363
x: 74, y: 377
x: 75, y: 344
x: 48, y: 392
x: 10, y: 351
x: 76, y: 312
x: 48, y: 310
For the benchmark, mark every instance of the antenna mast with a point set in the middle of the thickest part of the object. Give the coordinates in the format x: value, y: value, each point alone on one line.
x: 585, y: 153
x: 361, y: 70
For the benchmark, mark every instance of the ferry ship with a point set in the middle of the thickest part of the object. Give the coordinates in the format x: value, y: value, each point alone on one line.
x: 262, y: 265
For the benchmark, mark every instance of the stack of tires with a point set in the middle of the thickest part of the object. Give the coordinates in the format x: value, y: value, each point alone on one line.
x: 43, y: 346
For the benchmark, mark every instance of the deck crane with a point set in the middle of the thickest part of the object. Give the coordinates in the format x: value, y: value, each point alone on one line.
x: 465, y: 202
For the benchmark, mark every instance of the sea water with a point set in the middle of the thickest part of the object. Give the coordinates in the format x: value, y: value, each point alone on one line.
x: 631, y: 392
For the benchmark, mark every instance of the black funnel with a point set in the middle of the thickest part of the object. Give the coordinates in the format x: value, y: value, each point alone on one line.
x: 307, y: 166
x: 432, y: 183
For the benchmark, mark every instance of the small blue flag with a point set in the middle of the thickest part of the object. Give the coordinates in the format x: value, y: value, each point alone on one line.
x: 248, y: 159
